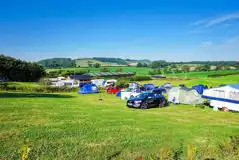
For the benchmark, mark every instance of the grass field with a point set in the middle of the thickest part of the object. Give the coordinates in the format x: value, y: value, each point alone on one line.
x: 210, y: 82
x: 144, y: 71
x: 139, y: 71
x: 201, y: 74
x: 72, y: 126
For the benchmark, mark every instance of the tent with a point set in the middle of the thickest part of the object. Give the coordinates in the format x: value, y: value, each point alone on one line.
x: 200, y: 88
x: 158, y: 90
x: 184, y: 95
x: 225, y: 96
x: 148, y: 87
x: 113, y: 90
x: 167, y: 86
x: 89, y: 89
x: 98, y: 82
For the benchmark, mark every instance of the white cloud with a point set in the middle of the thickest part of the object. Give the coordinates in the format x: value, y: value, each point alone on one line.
x: 216, y: 20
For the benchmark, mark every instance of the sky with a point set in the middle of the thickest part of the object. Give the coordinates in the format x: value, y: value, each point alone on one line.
x: 169, y: 30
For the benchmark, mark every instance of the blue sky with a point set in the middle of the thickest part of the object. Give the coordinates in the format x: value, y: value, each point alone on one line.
x: 152, y: 29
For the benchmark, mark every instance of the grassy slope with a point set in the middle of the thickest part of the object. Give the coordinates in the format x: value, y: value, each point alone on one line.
x: 84, y: 62
x: 200, y: 74
x: 139, y: 71
x: 73, y: 126
x: 210, y: 82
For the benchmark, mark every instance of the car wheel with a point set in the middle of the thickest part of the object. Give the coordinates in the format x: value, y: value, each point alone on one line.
x: 162, y: 104
x: 144, y: 105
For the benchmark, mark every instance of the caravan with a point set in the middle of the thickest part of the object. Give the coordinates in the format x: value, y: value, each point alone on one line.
x: 224, y: 97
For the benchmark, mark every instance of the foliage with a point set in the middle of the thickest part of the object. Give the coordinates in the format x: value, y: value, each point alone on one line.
x: 223, y: 74
x: 155, y: 71
x: 105, y: 69
x: 57, y: 63
x: 97, y: 65
x: 119, y: 70
x: 140, y: 78
x: 159, y: 64
x: 63, y: 72
x: 185, y: 68
x: 111, y: 60
x: 34, y: 88
x: 142, y: 65
x: 18, y: 70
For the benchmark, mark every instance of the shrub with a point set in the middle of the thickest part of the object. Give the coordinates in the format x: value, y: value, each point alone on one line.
x: 222, y: 74
x: 140, y: 78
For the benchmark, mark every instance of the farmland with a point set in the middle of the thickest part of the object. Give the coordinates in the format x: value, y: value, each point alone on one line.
x: 144, y: 71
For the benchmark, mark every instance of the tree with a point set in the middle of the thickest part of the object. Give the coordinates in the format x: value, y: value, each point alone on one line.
x: 139, y: 65
x: 18, y: 70
x: 97, y: 65
x: 159, y: 64
x: 185, y: 68
x: 105, y: 69
x: 119, y: 70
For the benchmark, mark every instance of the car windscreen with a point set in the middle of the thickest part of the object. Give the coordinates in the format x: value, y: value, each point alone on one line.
x: 142, y: 95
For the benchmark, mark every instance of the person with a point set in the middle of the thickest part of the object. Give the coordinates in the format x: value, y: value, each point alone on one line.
x: 174, y: 100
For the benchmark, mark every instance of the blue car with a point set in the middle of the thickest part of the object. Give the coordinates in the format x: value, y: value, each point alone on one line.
x: 147, y: 100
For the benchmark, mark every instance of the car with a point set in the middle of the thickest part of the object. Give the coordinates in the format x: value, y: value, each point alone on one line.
x: 147, y: 100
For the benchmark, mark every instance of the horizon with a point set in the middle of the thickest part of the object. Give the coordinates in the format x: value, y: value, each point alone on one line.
x: 172, y: 31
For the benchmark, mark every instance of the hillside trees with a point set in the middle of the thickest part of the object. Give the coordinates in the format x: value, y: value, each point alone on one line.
x: 18, y: 70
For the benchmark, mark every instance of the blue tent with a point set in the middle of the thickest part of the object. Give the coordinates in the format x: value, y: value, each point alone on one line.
x: 159, y: 90
x: 89, y: 89
x: 148, y: 87
x: 200, y: 88
x: 118, y: 94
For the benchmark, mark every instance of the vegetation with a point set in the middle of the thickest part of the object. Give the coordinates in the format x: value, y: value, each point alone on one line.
x: 72, y: 126
x: 57, y: 63
x: 34, y: 87
x: 18, y: 70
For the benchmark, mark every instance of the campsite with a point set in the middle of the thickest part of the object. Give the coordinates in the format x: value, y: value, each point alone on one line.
x: 119, y: 80
x: 99, y: 125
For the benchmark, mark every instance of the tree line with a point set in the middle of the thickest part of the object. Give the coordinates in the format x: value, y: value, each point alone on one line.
x: 18, y: 70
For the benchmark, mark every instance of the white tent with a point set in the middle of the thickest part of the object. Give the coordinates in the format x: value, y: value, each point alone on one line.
x: 98, y: 82
x: 226, y: 96
x: 184, y: 95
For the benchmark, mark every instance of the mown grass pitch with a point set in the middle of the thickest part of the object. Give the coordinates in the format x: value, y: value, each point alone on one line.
x: 72, y: 126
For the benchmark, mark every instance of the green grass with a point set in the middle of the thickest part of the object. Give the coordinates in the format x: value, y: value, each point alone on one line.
x: 139, y: 71
x: 200, y: 74
x: 72, y: 126
x: 210, y: 82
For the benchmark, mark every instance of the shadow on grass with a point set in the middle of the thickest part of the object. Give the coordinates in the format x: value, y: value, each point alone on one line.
x: 33, y: 95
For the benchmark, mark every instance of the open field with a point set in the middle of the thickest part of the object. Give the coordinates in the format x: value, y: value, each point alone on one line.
x: 201, y: 74
x: 72, y: 126
x: 139, y: 71
x: 144, y: 71
x: 210, y: 82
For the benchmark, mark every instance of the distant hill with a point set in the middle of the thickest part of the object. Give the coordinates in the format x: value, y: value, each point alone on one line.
x: 85, y: 62
x: 57, y: 63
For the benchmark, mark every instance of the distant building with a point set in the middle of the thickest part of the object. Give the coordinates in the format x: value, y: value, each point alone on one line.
x: 89, y: 76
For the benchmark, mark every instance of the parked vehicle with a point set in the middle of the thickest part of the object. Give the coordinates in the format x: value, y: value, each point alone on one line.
x: 147, y: 100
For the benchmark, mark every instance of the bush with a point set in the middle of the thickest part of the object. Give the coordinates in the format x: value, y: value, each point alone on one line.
x: 44, y: 89
x: 155, y: 71
x: 222, y: 74
x: 140, y: 78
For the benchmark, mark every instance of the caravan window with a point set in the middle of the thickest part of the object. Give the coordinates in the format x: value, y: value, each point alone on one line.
x: 234, y: 95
